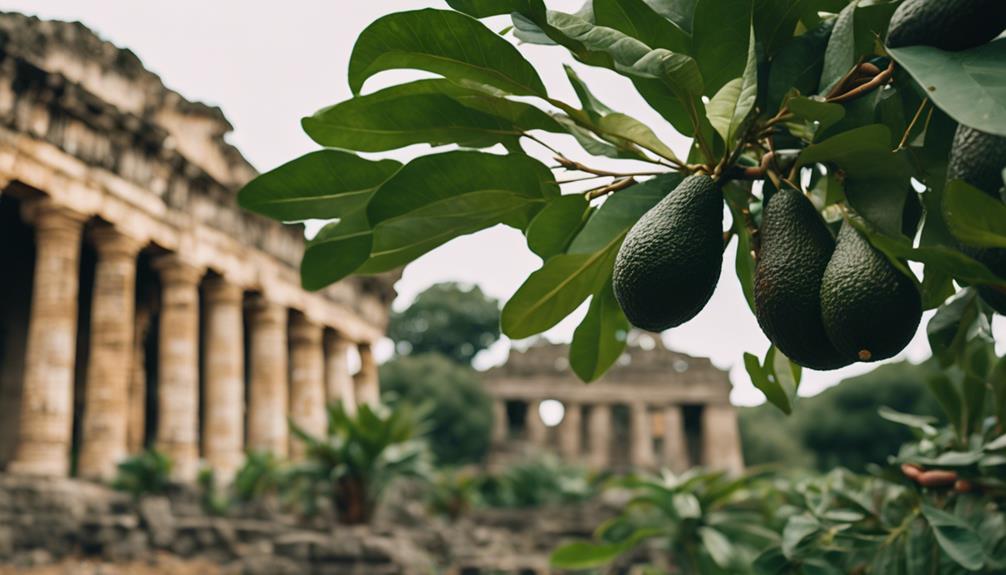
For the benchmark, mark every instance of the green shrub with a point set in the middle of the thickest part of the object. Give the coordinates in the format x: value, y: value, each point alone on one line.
x: 148, y: 472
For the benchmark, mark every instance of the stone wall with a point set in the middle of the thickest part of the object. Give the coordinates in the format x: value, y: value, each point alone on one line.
x: 70, y: 522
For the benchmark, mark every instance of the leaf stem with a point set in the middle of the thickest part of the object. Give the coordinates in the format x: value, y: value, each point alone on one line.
x: 610, y: 188
x: 577, y: 166
x: 874, y: 82
x: 915, y: 118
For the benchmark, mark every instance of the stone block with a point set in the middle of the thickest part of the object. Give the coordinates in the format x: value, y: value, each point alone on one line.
x: 155, y: 514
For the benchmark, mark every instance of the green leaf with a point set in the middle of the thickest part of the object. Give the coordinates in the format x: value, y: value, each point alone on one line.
x: 923, y: 423
x: 600, y: 338
x: 488, y: 8
x: 591, y: 105
x: 553, y: 228
x: 997, y: 379
x: 428, y: 111
x: 798, y: 66
x: 716, y: 544
x: 638, y: 19
x: 968, y: 85
x: 680, y: 12
x: 633, y: 130
x: 324, y: 184
x: 720, y: 40
x: 729, y: 109
x: 774, y: 22
x: 946, y: 395
x: 336, y: 251
x: 973, y: 216
x: 778, y: 378
x: 590, y: 142
x: 798, y: 529
x: 824, y: 113
x: 947, y: 330
x: 947, y: 259
x: 585, y: 555
x: 556, y: 289
x: 443, y: 42
x: 956, y: 537
x: 840, y: 55
x: 444, y: 178
x: 744, y: 264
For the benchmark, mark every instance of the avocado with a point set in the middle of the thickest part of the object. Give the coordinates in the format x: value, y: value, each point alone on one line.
x: 870, y: 308
x: 979, y: 159
x: 668, y: 265
x: 795, y: 249
x: 946, y: 24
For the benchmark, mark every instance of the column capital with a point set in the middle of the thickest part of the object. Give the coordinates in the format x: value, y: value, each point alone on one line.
x: 110, y: 240
x: 266, y: 309
x: 304, y: 330
x: 175, y: 270
x: 220, y: 290
x: 46, y: 215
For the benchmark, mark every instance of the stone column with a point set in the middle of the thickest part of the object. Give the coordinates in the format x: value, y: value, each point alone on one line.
x: 104, y: 438
x: 537, y: 433
x: 501, y: 430
x: 224, y: 370
x: 136, y: 425
x: 599, y: 429
x: 641, y: 453
x: 46, y: 421
x: 721, y: 446
x: 675, y: 446
x: 366, y: 384
x: 338, y: 381
x: 269, y: 395
x: 307, y: 380
x: 569, y: 432
x: 178, y: 366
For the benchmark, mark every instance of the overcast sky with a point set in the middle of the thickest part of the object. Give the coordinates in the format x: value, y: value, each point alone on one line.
x: 266, y: 64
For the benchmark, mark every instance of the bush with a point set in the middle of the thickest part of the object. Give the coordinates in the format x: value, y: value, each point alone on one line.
x: 535, y: 482
x: 148, y: 472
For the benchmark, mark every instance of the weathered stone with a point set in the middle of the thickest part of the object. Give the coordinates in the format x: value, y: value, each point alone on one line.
x: 155, y: 513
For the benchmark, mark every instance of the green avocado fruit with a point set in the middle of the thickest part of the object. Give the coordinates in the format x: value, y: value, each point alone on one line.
x: 870, y: 308
x: 946, y: 24
x: 979, y: 159
x: 795, y: 249
x: 668, y: 265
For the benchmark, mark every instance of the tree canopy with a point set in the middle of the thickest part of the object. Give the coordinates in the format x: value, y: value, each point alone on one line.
x: 447, y: 318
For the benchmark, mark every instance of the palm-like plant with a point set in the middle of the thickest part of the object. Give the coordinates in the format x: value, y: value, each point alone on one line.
x: 147, y: 472
x: 359, y: 456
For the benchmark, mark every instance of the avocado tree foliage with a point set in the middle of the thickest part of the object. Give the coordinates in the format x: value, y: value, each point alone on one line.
x: 808, y: 99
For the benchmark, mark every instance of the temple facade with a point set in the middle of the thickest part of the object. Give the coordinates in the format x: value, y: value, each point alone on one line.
x: 139, y: 306
x: 655, y: 408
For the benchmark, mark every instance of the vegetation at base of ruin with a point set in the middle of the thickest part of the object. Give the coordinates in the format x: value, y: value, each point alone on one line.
x: 808, y: 119
x: 840, y: 427
x: 148, y: 472
x: 946, y: 515
x: 359, y: 455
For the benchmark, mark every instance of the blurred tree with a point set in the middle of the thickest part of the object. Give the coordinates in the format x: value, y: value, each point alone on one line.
x: 840, y: 426
x: 461, y: 414
x: 447, y: 318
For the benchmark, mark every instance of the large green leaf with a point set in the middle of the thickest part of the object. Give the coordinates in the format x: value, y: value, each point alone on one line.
x: 774, y: 21
x: 600, y: 338
x: 737, y: 200
x: 594, y: 108
x: 443, y: 42
x: 632, y: 130
x: 969, y: 85
x: 973, y: 216
x: 555, y: 225
x: 840, y: 54
x: 445, y: 178
x: 324, y: 184
x: 556, y: 289
x: 729, y: 109
x: 487, y: 8
x: 777, y: 377
x: 433, y: 111
x: 337, y: 251
x: 798, y: 66
x: 638, y: 19
x: 720, y: 40
x: 584, y: 555
x: 956, y: 537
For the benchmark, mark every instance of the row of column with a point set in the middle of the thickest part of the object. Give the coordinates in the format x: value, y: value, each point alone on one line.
x: 720, y: 442
x: 293, y: 373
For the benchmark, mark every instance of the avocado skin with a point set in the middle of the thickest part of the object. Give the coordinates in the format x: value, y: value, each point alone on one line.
x: 795, y: 249
x: 979, y: 158
x: 667, y: 267
x: 946, y: 24
x: 870, y: 308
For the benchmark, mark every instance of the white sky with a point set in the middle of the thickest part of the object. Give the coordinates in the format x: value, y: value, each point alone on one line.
x: 267, y: 64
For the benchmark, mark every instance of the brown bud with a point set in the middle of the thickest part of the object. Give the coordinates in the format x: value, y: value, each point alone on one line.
x: 937, y: 478
x: 963, y: 486
x: 911, y: 471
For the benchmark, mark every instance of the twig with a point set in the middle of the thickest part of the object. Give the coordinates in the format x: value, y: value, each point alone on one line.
x: 610, y: 188
x: 577, y: 166
x: 915, y: 118
x: 541, y: 143
x: 864, y: 88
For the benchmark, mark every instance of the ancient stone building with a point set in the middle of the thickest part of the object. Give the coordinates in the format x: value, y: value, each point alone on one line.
x: 139, y: 306
x: 654, y: 408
